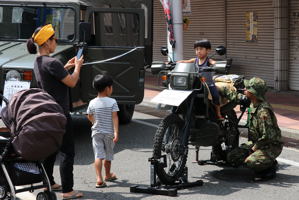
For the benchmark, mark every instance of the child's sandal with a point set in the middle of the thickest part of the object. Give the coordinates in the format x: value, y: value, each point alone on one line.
x: 101, y: 185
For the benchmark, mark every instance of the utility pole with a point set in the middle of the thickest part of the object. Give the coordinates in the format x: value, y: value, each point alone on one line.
x: 177, y: 14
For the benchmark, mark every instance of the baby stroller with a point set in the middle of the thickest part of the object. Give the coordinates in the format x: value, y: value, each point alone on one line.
x: 34, y: 127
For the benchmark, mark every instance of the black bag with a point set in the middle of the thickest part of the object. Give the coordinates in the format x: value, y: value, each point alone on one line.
x: 36, y: 123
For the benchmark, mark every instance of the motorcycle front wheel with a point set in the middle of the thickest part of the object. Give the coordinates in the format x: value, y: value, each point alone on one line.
x: 170, y: 150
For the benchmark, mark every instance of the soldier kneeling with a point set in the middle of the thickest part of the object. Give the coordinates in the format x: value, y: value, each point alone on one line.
x: 264, y: 136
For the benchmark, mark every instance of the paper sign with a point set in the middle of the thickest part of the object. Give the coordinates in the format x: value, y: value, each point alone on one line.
x: 171, y: 97
x: 12, y: 87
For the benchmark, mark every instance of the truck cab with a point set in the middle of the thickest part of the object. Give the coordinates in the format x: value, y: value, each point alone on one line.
x: 116, y: 36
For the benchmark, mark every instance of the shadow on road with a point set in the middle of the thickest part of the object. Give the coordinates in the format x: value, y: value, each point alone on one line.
x: 133, y: 136
x: 230, y: 180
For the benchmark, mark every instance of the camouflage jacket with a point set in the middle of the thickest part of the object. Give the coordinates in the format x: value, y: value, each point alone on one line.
x: 263, y: 127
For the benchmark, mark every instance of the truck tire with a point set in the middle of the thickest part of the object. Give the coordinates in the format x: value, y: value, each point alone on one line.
x: 125, y: 113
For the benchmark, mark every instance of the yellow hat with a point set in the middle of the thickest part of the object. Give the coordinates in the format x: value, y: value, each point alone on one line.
x: 43, y: 34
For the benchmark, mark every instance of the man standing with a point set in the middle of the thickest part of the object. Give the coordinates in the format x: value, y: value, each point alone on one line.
x: 264, y: 136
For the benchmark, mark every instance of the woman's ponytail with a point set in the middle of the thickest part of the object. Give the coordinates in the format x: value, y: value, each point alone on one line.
x: 31, y: 47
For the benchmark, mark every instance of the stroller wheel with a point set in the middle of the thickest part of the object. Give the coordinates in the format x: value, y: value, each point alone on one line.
x: 51, y: 195
x: 3, y: 192
x: 46, y: 196
x: 42, y: 196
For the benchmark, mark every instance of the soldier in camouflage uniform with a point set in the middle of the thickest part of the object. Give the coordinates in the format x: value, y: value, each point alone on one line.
x: 264, y: 136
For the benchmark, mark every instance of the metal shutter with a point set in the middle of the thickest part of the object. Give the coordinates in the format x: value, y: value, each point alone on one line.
x: 160, y: 32
x: 294, y: 45
x: 207, y: 21
x: 251, y: 58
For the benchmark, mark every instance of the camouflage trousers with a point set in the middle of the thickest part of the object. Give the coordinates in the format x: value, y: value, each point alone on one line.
x: 258, y: 161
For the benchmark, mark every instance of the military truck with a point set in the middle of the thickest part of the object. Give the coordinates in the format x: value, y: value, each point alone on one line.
x: 116, y: 36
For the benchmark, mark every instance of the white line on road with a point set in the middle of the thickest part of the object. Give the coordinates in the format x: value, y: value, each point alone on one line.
x: 290, y: 162
x: 145, y: 123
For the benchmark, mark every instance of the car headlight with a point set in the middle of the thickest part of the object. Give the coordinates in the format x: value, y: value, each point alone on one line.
x: 180, y: 81
x: 13, y: 75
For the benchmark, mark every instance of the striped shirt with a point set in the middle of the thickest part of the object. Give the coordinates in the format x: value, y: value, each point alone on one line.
x: 101, y: 108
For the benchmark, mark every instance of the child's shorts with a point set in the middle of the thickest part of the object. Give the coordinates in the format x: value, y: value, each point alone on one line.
x: 103, y: 146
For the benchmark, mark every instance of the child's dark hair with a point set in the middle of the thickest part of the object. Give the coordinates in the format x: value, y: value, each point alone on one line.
x: 202, y: 43
x: 100, y: 82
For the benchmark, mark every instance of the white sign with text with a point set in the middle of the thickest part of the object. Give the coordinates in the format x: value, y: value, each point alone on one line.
x: 171, y: 97
x: 12, y: 87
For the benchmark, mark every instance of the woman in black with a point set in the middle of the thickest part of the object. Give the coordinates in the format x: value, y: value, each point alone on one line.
x: 54, y: 78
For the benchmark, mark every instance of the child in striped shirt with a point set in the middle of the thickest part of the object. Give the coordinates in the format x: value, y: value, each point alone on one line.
x: 102, y: 112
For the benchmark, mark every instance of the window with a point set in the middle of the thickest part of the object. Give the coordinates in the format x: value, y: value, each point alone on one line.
x: 117, y: 29
x: 20, y: 22
x: 1, y: 14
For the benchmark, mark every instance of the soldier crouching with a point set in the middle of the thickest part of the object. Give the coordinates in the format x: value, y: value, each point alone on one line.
x: 264, y: 136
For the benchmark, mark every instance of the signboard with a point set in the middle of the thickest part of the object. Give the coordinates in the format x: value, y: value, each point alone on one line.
x: 171, y: 97
x: 186, y: 7
x: 251, y: 26
x: 12, y: 87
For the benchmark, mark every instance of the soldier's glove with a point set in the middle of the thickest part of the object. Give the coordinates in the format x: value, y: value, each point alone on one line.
x: 244, y: 103
x: 248, y: 146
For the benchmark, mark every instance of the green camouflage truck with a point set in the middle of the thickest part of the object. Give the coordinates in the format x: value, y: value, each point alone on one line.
x: 116, y: 36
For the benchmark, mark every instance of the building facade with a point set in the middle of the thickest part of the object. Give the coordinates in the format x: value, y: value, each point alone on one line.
x: 261, y: 36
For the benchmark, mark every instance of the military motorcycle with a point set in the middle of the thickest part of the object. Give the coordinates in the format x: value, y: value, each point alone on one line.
x: 192, y: 120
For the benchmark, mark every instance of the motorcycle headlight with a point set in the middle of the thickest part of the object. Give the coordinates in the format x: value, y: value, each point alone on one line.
x: 180, y: 81
x: 13, y: 75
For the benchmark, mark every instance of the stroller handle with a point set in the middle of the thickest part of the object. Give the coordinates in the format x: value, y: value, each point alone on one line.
x: 3, y: 98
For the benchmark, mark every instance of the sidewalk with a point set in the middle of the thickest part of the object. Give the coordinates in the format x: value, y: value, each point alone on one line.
x: 285, y: 105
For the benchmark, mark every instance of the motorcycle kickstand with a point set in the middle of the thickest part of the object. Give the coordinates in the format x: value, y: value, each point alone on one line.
x: 201, y: 162
x: 196, y: 154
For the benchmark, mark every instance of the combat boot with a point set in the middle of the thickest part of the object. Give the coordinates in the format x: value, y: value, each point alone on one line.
x: 266, y: 174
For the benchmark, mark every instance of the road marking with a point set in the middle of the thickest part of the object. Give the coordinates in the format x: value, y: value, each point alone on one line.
x: 145, y: 123
x: 290, y: 162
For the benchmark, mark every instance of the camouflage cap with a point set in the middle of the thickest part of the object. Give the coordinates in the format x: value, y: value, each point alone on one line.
x: 257, y: 87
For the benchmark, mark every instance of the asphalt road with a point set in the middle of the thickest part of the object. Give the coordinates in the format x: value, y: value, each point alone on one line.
x: 132, y: 168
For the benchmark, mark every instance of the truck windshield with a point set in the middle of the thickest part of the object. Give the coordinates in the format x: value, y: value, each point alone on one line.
x: 20, y: 22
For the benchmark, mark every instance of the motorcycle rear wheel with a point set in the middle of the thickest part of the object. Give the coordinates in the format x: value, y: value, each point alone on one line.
x: 168, y: 142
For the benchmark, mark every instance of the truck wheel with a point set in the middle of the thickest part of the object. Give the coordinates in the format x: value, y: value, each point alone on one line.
x: 125, y: 113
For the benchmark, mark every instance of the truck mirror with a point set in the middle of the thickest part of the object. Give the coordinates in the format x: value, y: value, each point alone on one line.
x: 164, y: 51
x: 84, y: 32
x: 221, y: 50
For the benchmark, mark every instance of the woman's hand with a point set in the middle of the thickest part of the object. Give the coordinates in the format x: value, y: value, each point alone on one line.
x: 79, y: 62
x: 70, y: 64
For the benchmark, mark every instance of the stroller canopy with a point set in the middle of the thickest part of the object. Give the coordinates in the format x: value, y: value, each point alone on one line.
x: 36, y: 123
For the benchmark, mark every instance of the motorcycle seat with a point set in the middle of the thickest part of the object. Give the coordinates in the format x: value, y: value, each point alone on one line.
x: 228, y: 78
x: 224, y: 84
x: 223, y: 88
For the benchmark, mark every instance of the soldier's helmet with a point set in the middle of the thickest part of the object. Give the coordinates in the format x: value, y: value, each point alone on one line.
x: 257, y: 87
